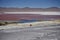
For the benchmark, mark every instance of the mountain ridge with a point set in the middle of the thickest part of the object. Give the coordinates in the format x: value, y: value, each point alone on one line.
x: 2, y: 9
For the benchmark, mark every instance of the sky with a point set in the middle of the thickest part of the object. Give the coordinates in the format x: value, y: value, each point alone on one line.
x: 30, y: 3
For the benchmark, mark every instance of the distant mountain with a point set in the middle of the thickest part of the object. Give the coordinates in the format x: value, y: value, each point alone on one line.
x: 26, y: 9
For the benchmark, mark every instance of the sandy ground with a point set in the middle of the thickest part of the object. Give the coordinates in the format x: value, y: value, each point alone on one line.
x: 31, y: 33
x: 23, y: 25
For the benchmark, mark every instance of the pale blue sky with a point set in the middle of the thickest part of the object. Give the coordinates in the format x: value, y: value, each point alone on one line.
x: 30, y: 3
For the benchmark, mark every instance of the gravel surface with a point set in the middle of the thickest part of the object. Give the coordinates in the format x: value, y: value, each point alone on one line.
x: 31, y: 33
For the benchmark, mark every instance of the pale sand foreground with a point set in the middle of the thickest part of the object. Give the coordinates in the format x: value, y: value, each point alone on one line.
x: 34, y: 24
